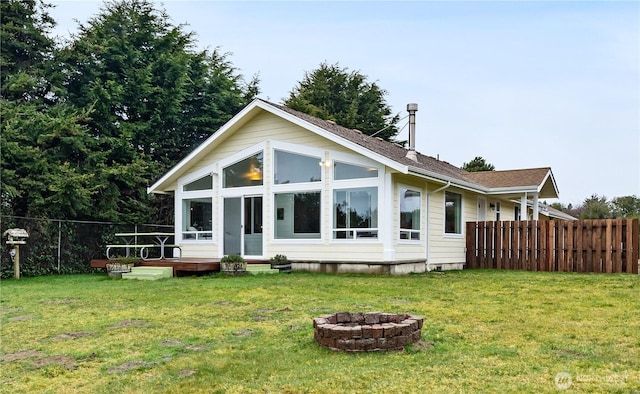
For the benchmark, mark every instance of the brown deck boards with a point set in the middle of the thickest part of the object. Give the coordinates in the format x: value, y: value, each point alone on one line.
x: 178, y: 264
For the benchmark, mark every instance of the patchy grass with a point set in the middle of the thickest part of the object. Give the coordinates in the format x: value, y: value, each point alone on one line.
x: 485, y: 331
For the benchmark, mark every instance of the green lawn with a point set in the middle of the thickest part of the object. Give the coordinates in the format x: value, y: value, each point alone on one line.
x: 490, y: 331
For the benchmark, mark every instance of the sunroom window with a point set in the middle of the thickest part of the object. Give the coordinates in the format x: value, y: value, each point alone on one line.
x: 355, y: 213
x: 453, y: 213
x: 246, y: 172
x: 352, y: 171
x: 409, y: 214
x: 204, y: 183
x: 297, y: 215
x: 197, y: 218
x: 295, y: 168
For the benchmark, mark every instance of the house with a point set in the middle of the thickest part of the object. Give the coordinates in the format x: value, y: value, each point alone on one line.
x: 277, y: 181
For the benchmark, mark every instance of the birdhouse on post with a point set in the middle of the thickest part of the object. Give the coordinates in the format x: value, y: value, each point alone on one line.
x: 16, y: 237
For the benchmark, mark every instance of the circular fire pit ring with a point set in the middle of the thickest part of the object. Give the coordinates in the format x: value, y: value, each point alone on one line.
x: 367, y: 332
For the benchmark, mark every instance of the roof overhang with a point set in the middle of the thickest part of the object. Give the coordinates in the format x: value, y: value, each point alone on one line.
x: 546, y: 189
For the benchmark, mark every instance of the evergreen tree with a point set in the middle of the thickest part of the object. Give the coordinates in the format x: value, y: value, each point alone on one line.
x: 43, y: 141
x: 152, y: 99
x: 596, y: 207
x: 626, y: 207
x: 347, y: 98
x: 478, y: 164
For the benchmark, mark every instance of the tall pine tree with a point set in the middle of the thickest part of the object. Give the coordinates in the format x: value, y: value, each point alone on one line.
x: 333, y: 93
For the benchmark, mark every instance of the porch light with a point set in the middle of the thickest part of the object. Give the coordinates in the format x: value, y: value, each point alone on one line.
x: 325, y: 163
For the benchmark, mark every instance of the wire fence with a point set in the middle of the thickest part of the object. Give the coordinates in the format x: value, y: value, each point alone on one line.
x: 62, y: 246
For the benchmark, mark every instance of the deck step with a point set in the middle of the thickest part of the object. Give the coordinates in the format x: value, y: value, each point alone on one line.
x: 142, y: 276
x: 149, y: 273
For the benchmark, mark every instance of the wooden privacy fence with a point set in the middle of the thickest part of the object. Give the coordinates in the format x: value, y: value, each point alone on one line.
x: 602, y: 246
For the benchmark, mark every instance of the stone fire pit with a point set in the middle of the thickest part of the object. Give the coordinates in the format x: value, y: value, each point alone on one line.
x: 367, y: 332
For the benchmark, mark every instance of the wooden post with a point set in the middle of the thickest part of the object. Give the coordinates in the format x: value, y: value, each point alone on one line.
x: 16, y: 262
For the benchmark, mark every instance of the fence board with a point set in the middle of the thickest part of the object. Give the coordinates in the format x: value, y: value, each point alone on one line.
x: 600, y: 246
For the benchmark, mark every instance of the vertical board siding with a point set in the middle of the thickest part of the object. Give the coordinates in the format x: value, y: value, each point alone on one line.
x: 599, y: 246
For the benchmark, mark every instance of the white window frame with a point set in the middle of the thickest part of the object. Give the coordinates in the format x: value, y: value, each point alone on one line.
x: 302, y: 187
x: 359, y: 183
x: 237, y: 157
x: 444, y: 215
x: 405, y: 230
x: 182, y: 196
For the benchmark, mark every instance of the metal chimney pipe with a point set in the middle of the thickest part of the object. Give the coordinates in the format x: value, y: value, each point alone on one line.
x: 412, y: 108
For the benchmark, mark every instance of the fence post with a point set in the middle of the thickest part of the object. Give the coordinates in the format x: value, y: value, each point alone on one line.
x: 635, y: 243
x: 471, y: 245
x: 59, y: 242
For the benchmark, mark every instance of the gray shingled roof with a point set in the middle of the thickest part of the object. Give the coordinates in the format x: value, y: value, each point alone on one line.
x: 397, y: 153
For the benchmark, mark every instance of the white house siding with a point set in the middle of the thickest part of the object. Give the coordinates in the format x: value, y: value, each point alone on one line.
x: 269, y: 130
x: 448, y: 248
x: 406, y: 250
x: 345, y: 251
x: 199, y: 250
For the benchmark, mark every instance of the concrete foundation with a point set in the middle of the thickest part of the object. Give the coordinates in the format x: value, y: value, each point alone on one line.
x: 346, y: 267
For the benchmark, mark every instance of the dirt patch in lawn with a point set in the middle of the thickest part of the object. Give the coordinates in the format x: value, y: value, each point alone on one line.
x: 20, y: 318
x: 186, y: 373
x: 5, y: 310
x: 130, y: 323
x: 244, y: 333
x: 179, y: 344
x: 39, y: 359
x: 67, y: 362
x: 421, y: 345
x: 67, y: 336
x: 62, y: 301
x: 130, y: 366
x: 21, y: 355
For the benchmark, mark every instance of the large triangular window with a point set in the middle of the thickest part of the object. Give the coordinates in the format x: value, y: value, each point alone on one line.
x: 246, y: 172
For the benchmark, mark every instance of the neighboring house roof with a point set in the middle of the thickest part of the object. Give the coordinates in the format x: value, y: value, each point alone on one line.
x: 555, y: 213
x: 393, y: 155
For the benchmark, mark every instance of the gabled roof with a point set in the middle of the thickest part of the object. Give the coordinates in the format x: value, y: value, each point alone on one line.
x: 390, y: 154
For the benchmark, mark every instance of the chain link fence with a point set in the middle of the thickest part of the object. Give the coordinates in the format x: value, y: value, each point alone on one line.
x: 62, y: 246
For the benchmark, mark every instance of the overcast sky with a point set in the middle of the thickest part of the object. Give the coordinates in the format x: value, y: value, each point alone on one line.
x: 522, y: 84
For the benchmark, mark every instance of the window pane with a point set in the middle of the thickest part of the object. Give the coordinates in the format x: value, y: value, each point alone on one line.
x: 205, y: 183
x: 247, y: 172
x: 293, y: 168
x: 197, y: 218
x: 297, y: 215
x: 410, y: 213
x: 350, y: 171
x: 356, y: 209
x: 453, y: 213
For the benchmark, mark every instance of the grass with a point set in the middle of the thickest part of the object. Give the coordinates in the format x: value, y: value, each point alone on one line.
x: 491, y: 331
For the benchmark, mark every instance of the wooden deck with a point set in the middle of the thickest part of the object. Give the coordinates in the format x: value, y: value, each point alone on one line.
x: 181, y: 266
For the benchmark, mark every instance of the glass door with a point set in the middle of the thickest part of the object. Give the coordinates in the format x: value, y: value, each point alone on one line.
x: 243, y: 226
x: 232, y: 225
x: 252, y: 226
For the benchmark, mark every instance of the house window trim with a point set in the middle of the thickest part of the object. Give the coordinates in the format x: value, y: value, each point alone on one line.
x: 356, y: 183
x: 376, y: 239
x: 302, y: 187
x: 421, y: 226
x: 318, y: 240
x: 444, y: 216
x: 295, y: 149
x: 181, y: 196
x: 239, y: 156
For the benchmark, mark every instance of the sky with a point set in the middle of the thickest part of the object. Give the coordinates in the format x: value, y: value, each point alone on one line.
x: 523, y: 84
